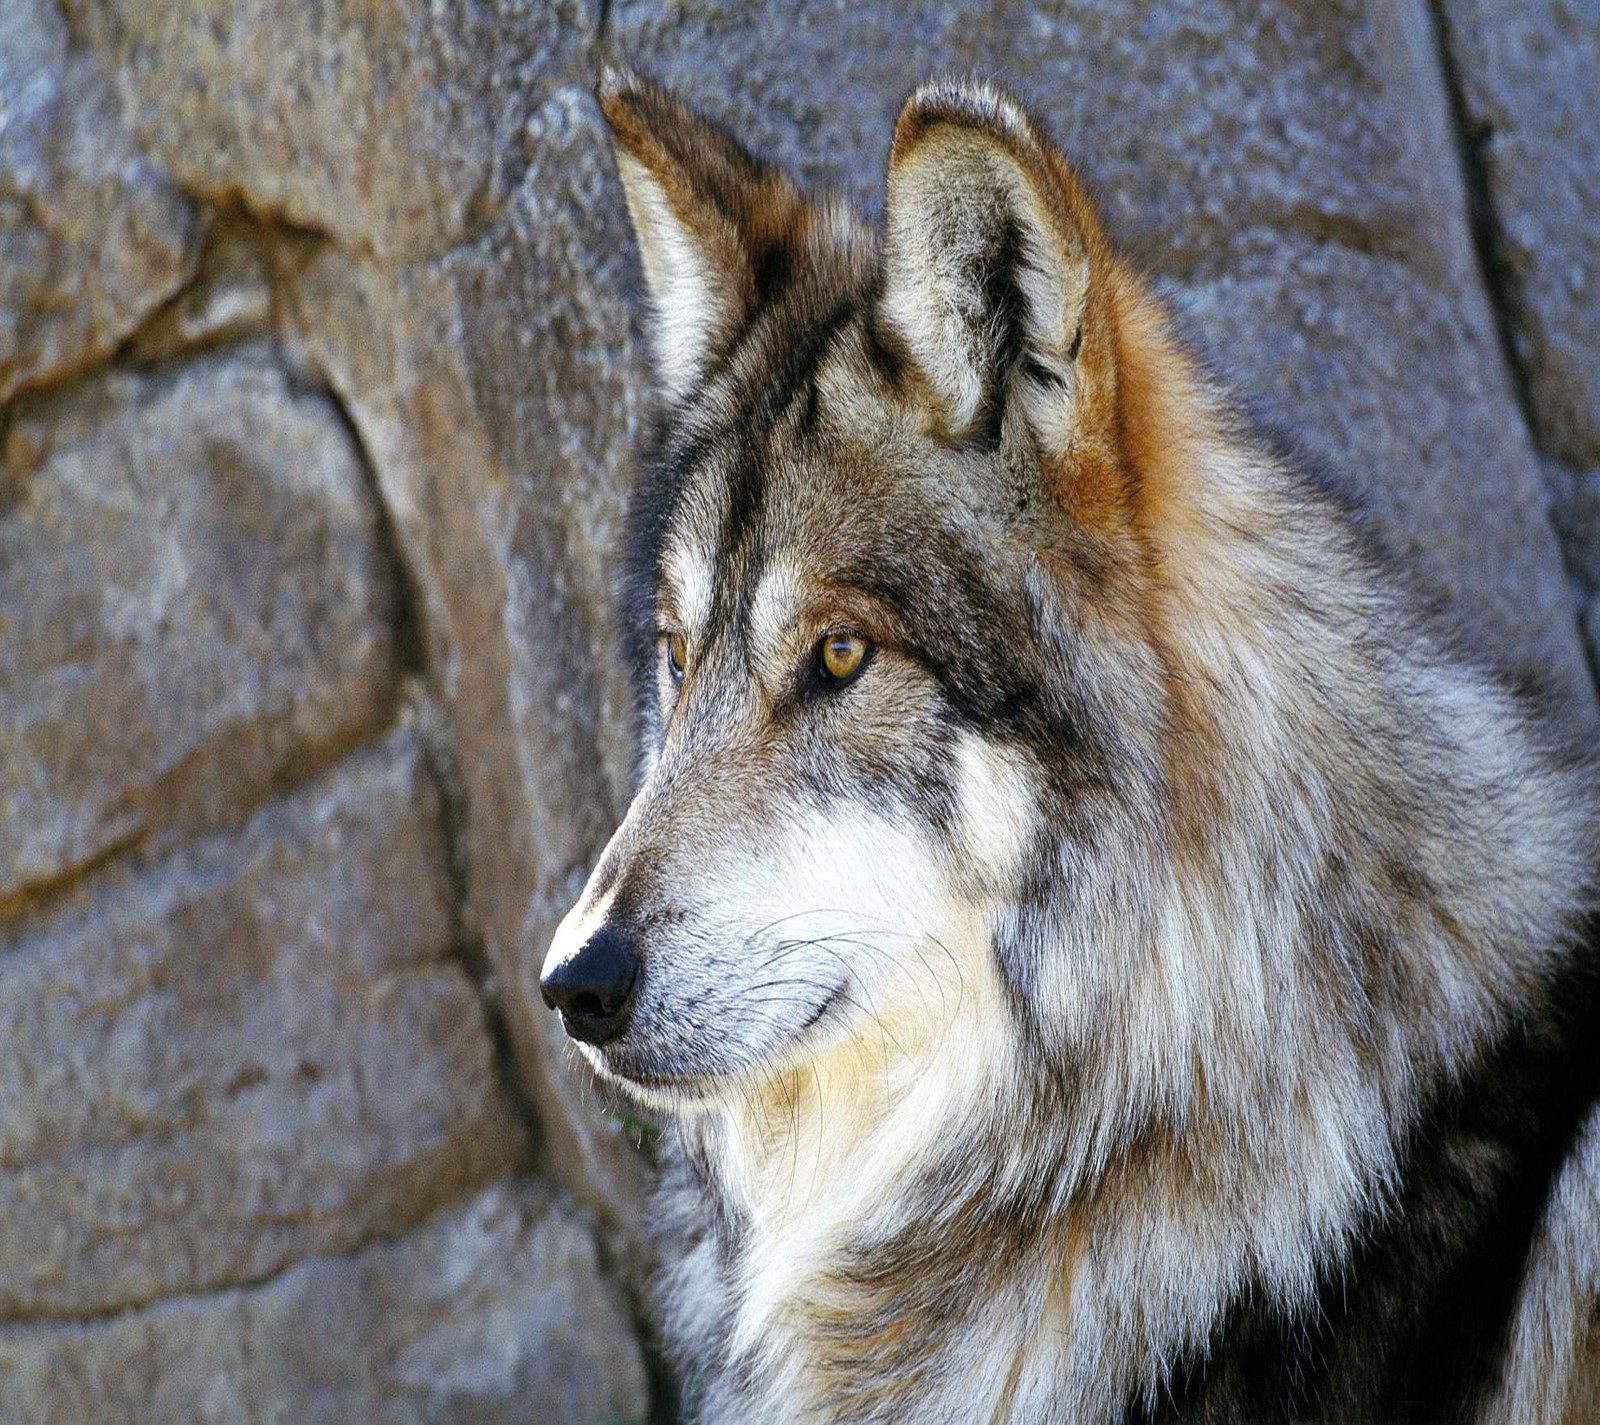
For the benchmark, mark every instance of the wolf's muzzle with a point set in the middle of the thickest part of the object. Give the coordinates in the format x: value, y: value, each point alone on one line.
x: 594, y: 988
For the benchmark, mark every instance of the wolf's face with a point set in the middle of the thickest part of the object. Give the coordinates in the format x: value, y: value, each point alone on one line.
x: 894, y: 652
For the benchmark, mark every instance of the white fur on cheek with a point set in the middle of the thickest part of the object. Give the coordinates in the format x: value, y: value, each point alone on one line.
x: 998, y: 816
x: 841, y: 1115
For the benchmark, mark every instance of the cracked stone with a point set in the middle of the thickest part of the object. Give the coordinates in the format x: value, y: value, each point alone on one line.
x: 378, y: 123
x: 492, y: 1312
x: 1575, y: 506
x: 563, y: 428
x: 254, y: 1050
x: 1529, y: 78
x: 230, y: 298
x: 556, y: 272
x: 193, y: 603
x: 506, y: 475
x: 93, y: 233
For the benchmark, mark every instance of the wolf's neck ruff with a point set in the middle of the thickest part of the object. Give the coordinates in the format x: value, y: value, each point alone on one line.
x: 1061, y: 1010
x: 1225, y: 1122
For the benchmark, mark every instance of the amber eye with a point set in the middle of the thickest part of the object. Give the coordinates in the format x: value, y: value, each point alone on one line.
x: 840, y: 657
x: 676, y: 652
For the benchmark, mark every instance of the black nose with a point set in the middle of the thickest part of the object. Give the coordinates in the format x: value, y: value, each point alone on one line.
x: 594, y: 988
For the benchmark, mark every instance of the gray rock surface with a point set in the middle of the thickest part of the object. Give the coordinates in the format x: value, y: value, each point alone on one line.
x: 255, y: 1049
x: 93, y: 233
x: 193, y: 603
x: 1575, y: 508
x: 380, y: 123
x: 492, y: 1312
x: 1194, y: 120
x: 498, y: 391
x: 1528, y: 80
x: 320, y: 378
x: 549, y: 278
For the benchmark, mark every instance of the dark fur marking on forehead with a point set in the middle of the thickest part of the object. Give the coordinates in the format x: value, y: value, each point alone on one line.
x: 774, y: 267
x: 671, y: 452
x: 810, y: 407
x: 781, y: 354
x: 788, y: 362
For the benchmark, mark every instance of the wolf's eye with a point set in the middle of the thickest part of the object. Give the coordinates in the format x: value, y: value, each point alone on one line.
x: 840, y: 656
x: 676, y: 651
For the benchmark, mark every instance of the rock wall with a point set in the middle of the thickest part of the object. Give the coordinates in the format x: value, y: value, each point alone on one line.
x: 320, y: 370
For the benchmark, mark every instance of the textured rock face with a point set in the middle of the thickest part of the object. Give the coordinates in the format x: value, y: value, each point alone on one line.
x: 1527, y: 86
x: 189, y: 579
x: 491, y: 1313
x: 380, y: 123
x: 286, y: 1060
x: 93, y: 233
x: 1528, y: 78
x: 319, y: 380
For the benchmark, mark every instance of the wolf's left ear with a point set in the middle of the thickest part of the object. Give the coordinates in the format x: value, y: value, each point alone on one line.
x: 991, y: 264
x: 715, y: 225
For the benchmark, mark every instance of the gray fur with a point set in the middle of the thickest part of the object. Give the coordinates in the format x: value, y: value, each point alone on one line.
x: 1080, y: 975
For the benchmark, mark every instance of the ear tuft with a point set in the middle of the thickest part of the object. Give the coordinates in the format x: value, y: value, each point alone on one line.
x: 714, y: 223
x: 615, y: 80
x: 973, y: 103
x: 990, y: 260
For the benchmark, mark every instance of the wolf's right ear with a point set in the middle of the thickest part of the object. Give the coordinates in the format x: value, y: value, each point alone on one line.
x: 715, y: 225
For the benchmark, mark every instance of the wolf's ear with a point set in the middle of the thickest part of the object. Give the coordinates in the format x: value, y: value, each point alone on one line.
x: 715, y: 225
x: 991, y: 261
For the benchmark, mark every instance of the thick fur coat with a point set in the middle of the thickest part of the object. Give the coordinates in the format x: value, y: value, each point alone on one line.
x: 1104, y: 951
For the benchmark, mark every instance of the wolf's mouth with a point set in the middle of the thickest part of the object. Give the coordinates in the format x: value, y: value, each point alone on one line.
x: 834, y: 996
x: 628, y: 1073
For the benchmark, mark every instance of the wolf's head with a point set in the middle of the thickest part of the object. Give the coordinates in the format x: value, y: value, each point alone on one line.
x: 1001, y: 694
x: 893, y: 600
x: 1056, y: 815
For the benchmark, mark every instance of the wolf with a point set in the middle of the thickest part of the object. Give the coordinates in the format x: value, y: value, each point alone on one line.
x: 1104, y: 947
